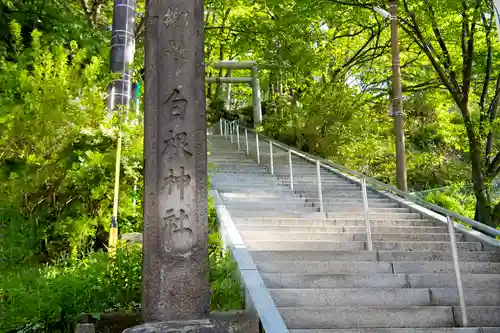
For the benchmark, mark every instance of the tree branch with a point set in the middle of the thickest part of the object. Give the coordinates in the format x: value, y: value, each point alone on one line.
x: 489, y: 62
x: 468, y: 60
x: 139, y: 28
x: 492, y: 112
x: 493, y: 168
x: 417, y: 36
x: 368, y: 5
x: 85, y: 6
x: 437, y: 33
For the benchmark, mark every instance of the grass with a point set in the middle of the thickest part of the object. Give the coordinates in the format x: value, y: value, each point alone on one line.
x: 52, y: 297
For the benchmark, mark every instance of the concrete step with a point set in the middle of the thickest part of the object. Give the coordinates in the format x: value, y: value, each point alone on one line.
x: 359, y: 245
x: 291, y: 297
x: 309, y: 174
x: 359, y: 210
x: 311, y: 280
x: 368, y: 316
x: 230, y: 167
x: 243, y: 190
x: 304, y: 245
x: 487, y: 316
x: 333, y: 194
x: 401, y: 330
x: 334, y: 205
x: 295, y: 229
x: 383, y: 215
x: 313, y: 183
x: 324, y: 267
x: 291, y: 280
x: 236, y: 213
x: 270, y: 198
x: 353, y: 222
x: 337, y: 195
x: 490, y: 329
x: 473, y: 296
x: 354, y: 200
x: 247, y: 180
x: 255, y: 196
x: 369, y: 267
x: 480, y: 281
x: 426, y: 237
x: 245, y: 187
x: 313, y: 255
x: 474, y: 256
x: 270, y: 206
x: 348, y: 209
x: 346, y: 229
x: 411, y: 267
x: 345, y: 297
x: 326, y: 186
x: 342, y: 236
x: 256, y: 207
x: 283, y: 200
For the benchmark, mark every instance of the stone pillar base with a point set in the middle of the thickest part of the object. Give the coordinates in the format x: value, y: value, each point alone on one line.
x: 188, y: 326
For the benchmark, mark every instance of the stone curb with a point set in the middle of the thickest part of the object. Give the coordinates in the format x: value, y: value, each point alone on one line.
x: 257, y: 297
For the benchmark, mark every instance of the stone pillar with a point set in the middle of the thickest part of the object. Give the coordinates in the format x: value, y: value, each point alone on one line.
x: 257, y: 109
x: 175, y: 264
x: 227, y: 98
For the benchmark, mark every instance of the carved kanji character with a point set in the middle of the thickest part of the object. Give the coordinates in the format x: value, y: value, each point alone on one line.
x: 176, y: 104
x: 177, y: 144
x: 181, y: 237
x: 181, y: 181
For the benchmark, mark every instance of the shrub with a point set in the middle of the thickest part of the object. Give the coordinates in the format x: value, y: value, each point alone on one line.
x: 51, y: 298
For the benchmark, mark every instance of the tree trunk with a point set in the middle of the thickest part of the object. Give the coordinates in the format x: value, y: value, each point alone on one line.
x: 483, y: 205
x: 495, y: 216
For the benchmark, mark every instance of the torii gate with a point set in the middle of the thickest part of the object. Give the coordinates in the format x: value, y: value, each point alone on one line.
x: 251, y: 80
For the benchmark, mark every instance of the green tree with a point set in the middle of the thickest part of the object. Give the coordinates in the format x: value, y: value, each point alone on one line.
x: 57, y: 151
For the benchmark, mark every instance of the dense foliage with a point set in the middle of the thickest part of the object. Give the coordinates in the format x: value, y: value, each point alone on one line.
x: 326, y: 80
x: 52, y: 297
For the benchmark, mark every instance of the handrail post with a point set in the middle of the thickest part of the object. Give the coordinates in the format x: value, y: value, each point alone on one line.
x: 231, y: 131
x: 454, y: 252
x: 271, y: 157
x: 225, y: 129
x: 290, y: 167
x: 246, y: 141
x: 367, y: 218
x: 320, y: 190
x: 238, y: 135
x: 220, y: 123
x: 257, y: 147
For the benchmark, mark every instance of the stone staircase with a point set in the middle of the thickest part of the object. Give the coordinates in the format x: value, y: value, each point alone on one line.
x: 317, y: 268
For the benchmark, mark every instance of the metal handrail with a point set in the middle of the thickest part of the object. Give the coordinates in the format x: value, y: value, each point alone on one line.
x: 363, y: 179
x: 492, y: 232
